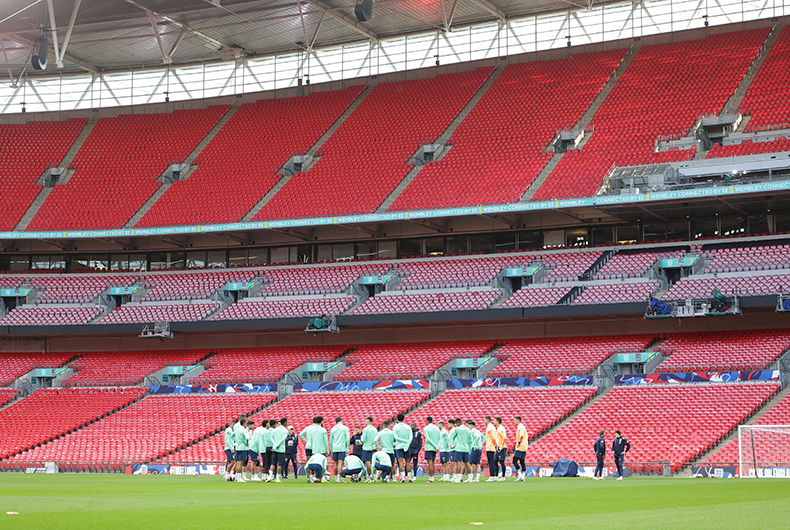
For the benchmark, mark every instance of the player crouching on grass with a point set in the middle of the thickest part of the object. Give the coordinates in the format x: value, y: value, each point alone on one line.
x: 382, y: 463
x: 316, y: 468
x: 354, y: 467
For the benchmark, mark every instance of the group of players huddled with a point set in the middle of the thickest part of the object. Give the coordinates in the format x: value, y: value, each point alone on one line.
x: 387, y: 452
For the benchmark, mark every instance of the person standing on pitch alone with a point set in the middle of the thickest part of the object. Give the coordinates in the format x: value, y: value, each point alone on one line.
x: 620, y: 446
x: 600, y: 453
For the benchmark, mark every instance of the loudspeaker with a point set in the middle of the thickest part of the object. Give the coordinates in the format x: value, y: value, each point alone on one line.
x: 363, y: 10
x: 40, y: 52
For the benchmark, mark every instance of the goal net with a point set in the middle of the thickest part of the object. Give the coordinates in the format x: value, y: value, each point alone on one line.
x: 764, y: 451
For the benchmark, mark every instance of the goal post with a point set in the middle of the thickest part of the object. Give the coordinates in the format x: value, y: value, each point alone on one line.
x: 763, y: 451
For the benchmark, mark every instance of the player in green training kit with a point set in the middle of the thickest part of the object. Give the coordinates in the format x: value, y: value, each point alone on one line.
x: 354, y: 467
x: 368, y: 442
x: 403, y: 437
x: 432, y: 445
x: 444, y: 452
x: 305, y: 437
x: 316, y: 467
x: 462, y: 439
x: 278, y: 449
x: 478, y: 441
x: 256, y: 449
x: 382, y: 463
x: 386, y: 441
x: 241, y: 439
x: 339, y: 437
x: 230, y: 453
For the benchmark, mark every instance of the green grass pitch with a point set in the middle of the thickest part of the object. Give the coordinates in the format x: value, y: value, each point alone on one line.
x: 160, y: 501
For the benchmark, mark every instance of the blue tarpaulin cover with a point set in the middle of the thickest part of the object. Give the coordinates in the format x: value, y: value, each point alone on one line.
x: 565, y: 468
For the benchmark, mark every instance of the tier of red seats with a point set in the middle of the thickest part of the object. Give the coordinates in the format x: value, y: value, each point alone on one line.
x: 160, y: 313
x: 768, y: 96
x: 47, y: 315
x: 499, y: 149
x: 567, y: 266
x: 662, y: 92
x: 300, y: 409
x: 147, y: 430
x: 117, y: 166
x: 416, y: 360
x: 28, y: 150
x: 632, y: 265
x: 616, y: 293
x: 193, y: 286
x: 324, y: 279
x: 428, y: 302
x: 290, y: 308
x: 673, y: 423
x: 7, y: 394
x: 769, y: 447
x: 271, y: 131
x: 740, y: 259
x: 723, y: 350
x: 366, y: 158
x: 536, y: 296
x: 562, y: 356
x: 262, y: 365
x: 748, y: 147
x: 125, y: 368
x: 75, y: 289
x: 17, y: 364
x: 765, y: 284
x: 52, y: 412
x: 539, y: 408
x: 436, y: 274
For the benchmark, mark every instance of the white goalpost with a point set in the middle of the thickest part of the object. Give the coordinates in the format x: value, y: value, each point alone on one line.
x: 764, y: 451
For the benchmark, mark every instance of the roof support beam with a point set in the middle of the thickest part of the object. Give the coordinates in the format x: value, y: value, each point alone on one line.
x: 315, y: 35
x: 449, y: 22
x: 54, y: 29
x: 181, y: 25
x: 63, y: 56
x: 345, y: 20
x: 5, y: 56
x: 69, y: 30
x: 181, y: 35
x: 165, y: 58
x: 491, y: 8
x: 304, y: 29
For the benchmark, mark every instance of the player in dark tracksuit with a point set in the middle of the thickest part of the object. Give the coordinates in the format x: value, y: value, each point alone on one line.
x: 600, y: 453
x: 414, y: 450
x: 620, y: 446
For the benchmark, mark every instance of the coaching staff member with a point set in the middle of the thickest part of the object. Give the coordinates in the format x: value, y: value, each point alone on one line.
x: 600, y: 453
x: 620, y: 446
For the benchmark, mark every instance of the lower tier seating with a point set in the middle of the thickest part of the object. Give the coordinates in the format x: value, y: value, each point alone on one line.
x: 407, y: 361
x: 723, y: 350
x: 769, y: 447
x: 428, y: 302
x: 145, y: 431
x: 49, y: 316
x: 562, y: 356
x: 7, y: 394
x: 300, y: 409
x: 262, y: 365
x: 291, y: 308
x: 48, y: 413
x: 160, y: 313
x: 124, y: 368
x: 17, y: 364
x: 673, y: 423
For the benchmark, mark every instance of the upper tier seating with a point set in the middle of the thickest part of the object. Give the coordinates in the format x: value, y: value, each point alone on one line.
x: 731, y: 285
x: 740, y: 259
x: 674, y: 423
x: 428, y: 302
x: 73, y: 289
x: 17, y: 364
x: 632, y: 265
x: 288, y: 308
x: 117, y: 166
x: 7, y: 394
x: 366, y: 158
x: 768, y: 97
x: 562, y: 356
x: 49, y: 316
x: 407, y: 361
x: 723, y: 350
x: 125, y: 368
x: 52, y: 412
x: 659, y: 94
x: 300, y: 409
x: 769, y: 447
x: 28, y: 150
x: 325, y: 279
x: 262, y: 365
x: 499, y: 149
x: 536, y: 296
x: 539, y: 408
x: 147, y: 430
x: 192, y: 286
x: 270, y: 130
x: 612, y: 293
x: 160, y: 313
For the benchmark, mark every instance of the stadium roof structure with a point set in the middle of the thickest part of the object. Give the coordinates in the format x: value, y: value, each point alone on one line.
x: 119, y: 35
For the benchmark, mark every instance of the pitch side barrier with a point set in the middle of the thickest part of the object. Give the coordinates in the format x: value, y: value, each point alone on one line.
x: 411, y: 214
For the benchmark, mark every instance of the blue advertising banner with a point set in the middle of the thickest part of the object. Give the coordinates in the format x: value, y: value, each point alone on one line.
x: 694, y: 377
x: 212, y: 389
x: 714, y: 472
x: 564, y: 380
x: 341, y: 386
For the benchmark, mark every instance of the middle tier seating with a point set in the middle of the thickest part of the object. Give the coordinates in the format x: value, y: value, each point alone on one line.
x: 125, y: 368
x: 723, y: 350
x: 615, y: 293
x: 75, y: 289
x: 407, y: 361
x: 288, y: 308
x: 262, y: 365
x: 562, y: 356
x: 192, y: 286
x: 50, y: 316
x: 160, y: 313
x: 751, y: 285
x: 742, y: 259
x: 325, y: 279
x: 536, y: 295
x: 634, y: 265
x: 428, y: 302
x: 673, y: 423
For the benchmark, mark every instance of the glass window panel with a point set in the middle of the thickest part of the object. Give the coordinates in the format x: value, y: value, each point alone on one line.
x: 343, y: 252
x: 654, y: 231
x: 457, y: 244
x: 138, y: 262
x: 196, y: 259
x: 732, y: 226
x: 434, y: 246
x: 577, y: 237
x: 410, y: 247
x: 237, y: 257
x: 176, y: 260
x: 758, y: 224
x: 388, y: 249
x: 368, y: 249
x: 39, y: 262
x: 706, y: 228
x: 19, y: 263
x: 257, y: 256
x: 119, y: 262
x: 506, y: 241
x: 323, y: 252
x: 530, y: 240
x: 216, y: 258
x: 678, y: 231
x: 279, y: 255
x: 602, y: 235
x: 627, y: 234
x: 481, y: 242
